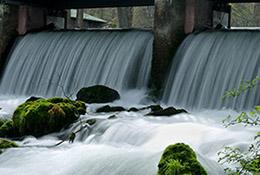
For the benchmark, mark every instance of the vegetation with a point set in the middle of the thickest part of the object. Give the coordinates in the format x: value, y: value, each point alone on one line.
x: 179, y: 159
x: 5, y: 144
x: 243, y: 162
x: 38, y: 117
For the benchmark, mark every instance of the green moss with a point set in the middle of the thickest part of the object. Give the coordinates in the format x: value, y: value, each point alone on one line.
x: 43, y: 116
x: 179, y: 159
x: 4, y: 144
x: 7, y: 129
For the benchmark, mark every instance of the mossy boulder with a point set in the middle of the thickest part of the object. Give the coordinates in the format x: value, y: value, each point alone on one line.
x: 7, y: 129
x: 179, y: 159
x: 43, y: 116
x: 167, y: 112
x: 5, y: 144
x: 97, y: 94
x: 108, y: 108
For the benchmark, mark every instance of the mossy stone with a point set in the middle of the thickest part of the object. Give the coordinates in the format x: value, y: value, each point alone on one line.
x: 7, y: 129
x: 5, y: 144
x: 97, y: 94
x: 179, y: 159
x: 44, y: 116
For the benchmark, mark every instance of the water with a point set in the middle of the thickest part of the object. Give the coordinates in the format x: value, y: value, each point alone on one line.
x: 210, y: 63
x: 131, y: 144
x: 60, y: 63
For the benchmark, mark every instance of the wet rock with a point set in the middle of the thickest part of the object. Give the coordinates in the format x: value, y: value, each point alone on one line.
x: 133, y: 110
x: 112, y: 117
x: 5, y: 144
x: 44, y: 116
x: 97, y: 94
x: 153, y: 108
x: 7, y: 129
x: 91, y: 121
x: 167, y: 112
x: 179, y: 159
x: 108, y: 108
x: 33, y: 99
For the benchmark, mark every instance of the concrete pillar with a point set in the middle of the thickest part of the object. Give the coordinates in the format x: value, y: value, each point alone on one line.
x: 8, y: 31
x: 31, y: 18
x: 80, y: 16
x: 174, y: 19
x: 169, y: 25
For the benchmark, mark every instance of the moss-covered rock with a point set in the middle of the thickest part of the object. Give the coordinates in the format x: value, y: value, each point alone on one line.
x: 5, y: 144
x: 167, y: 112
x: 108, y: 108
x: 43, y: 116
x: 7, y: 129
x: 97, y: 94
x: 180, y: 159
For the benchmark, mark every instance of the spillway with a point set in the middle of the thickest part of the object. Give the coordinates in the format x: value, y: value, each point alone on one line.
x: 210, y: 63
x: 60, y: 63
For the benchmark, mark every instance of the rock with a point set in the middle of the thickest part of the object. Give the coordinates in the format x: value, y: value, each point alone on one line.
x: 5, y: 144
x: 33, y: 99
x: 98, y: 94
x: 179, y: 159
x: 108, y: 108
x: 167, y: 112
x: 91, y: 121
x: 112, y: 117
x: 44, y: 116
x: 7, y: 129
x: 153, y: 108
x: 133, y: 110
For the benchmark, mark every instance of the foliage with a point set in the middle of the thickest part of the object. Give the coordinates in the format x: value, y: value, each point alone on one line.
x: 179, y: 159
x: 243, y: 162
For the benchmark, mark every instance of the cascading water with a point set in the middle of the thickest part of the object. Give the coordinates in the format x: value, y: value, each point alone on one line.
x: 129, y: 144
x: 54, y: 63
x: 210, y: 63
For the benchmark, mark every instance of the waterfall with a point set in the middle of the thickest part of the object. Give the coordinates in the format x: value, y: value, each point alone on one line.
x: 208, y: 64
x: 54, y: 63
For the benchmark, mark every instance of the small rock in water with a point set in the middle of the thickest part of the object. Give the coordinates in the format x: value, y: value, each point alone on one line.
x: 91, y: 121
x: 97, y: 94
x: 5, y: 144
x: 133, y: 110
x: 153, y: 108
x: 112, y: 117
x: 167, y: 112
x: 108, y: 108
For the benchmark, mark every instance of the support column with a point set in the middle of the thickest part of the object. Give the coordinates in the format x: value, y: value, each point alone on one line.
x: 169, y: 25
x: 204, y: 14
x: 31, y: 18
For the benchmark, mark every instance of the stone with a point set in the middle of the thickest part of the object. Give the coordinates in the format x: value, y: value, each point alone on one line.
x: 97, y: 94
x: 44, y: 116
x: 108, y: 108
x: 180, y: 159
x: 167, y: 112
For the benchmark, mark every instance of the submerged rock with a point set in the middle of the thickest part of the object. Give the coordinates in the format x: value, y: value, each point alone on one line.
x: 179, y: 159
x: 167, y: 112
x: 108, y: 108
x: 91, y: 121
x: 133, y: 109
x: 44, y: 116
x: 5, y: 144
x: 153, y: 108
x: 97, y: 94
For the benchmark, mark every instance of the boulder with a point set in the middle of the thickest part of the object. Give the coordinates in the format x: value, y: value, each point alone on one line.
x: 5, y: 144
x: 179, y: 159
x: 108, y: 108
x: 43, y: 116
x: 167, y: 112
x: 97, y: 94
x: 7, y: 129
